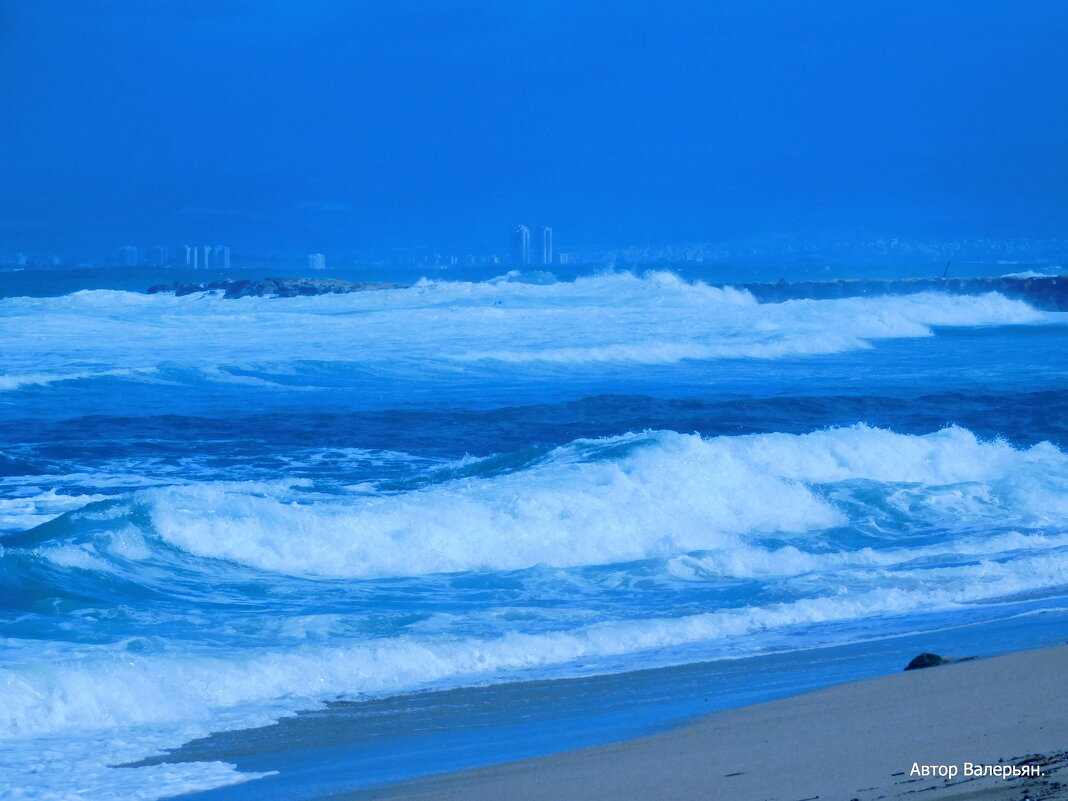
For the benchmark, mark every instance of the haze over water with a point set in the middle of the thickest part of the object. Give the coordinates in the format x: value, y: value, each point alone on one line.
x: 346, y: 128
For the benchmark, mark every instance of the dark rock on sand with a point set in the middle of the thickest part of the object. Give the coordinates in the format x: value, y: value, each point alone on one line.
x: 926, y: 660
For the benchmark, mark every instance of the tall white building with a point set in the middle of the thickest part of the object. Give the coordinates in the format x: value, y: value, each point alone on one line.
x: 545, y: 246
x: 316, y: 261
x: 206, y: 257
x: 220, y: 257
x: 521, y: 245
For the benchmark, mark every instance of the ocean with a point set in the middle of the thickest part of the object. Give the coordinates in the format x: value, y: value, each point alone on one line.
x: 405, y: 507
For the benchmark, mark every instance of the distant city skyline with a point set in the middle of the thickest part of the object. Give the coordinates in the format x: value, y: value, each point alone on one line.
x: 767, y: 251
x: 194, y: 257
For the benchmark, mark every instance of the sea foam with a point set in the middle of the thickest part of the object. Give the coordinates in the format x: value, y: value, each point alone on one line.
x: 651, y: 495
x: 638, y: 496
x: 101, y: 688
x: 441, y: 326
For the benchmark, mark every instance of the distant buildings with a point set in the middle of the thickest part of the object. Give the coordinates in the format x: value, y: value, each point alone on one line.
x: 524, y: 253
x: 206, y: 257
x: 545, y: 246
x: 528, y: 246
x: 222, y: 257
x: 521, y: 245
x: 195, y: 257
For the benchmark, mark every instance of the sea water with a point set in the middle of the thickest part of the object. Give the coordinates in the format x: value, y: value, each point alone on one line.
x: 215, y: 512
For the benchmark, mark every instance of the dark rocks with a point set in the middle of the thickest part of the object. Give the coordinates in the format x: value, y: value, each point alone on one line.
x: 272, y: 287
x: 1044, y: 292
x: 926, y: 660
x: 1047, y: 292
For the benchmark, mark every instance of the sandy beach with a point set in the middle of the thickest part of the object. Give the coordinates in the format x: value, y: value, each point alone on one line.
x: 917, y: 734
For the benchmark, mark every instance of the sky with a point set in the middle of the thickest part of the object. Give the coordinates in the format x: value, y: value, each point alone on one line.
x: 291, y: 126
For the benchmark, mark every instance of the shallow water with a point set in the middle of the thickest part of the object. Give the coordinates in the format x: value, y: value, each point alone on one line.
x: 215, y: 513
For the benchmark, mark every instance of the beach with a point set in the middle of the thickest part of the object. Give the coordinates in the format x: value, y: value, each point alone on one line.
x: 913, y: 734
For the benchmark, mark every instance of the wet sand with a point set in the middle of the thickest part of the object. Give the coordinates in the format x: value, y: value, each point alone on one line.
x: 859, y: 740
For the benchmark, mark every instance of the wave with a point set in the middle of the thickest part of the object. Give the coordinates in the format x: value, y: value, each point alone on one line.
x: 653, y: 495
x: 444, y: 327
x: 782, y: 330
x: 104, y: 687
x: 1055, y: 273
x: 822, y: 536
x: 634, y: 497
x: 14, y: 381
x: 28, y: 510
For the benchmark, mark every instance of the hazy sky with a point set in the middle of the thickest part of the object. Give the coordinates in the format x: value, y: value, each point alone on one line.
x: 297, y: 125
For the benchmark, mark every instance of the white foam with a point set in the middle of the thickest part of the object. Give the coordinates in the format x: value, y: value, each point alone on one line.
x: 766, y: 331
x: 15, y: 381
x: 1033, y: 274
x: 447, y: 326
x: 26, y: 511
x: 80, y: 770
x: 789, y: 561
x: 125, y: 542
x: 709, y: 508
x: 100, y: 688
x: 658, y: 495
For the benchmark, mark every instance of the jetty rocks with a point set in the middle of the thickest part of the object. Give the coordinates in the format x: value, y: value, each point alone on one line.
x: 1043, y: 292
x: 273, y: 287
x: 1048, y: 292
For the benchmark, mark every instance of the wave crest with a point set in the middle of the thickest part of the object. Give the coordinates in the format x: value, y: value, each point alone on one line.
x: 633, y: 497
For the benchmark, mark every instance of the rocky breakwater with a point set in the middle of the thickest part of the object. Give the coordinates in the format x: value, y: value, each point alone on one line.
x: 1043, y: 292
x: 273, y: 287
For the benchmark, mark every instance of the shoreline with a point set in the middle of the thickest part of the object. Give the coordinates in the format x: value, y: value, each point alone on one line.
x: 370, y: 748
x: 858, y: 740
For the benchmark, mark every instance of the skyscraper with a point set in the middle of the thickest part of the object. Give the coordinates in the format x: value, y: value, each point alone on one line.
x: 545, y: 245
x: 316, y: 261
x: 220, y: 257
x: 521, y: 245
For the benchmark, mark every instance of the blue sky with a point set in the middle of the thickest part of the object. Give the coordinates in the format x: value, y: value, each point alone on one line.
x: 283, y: 126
